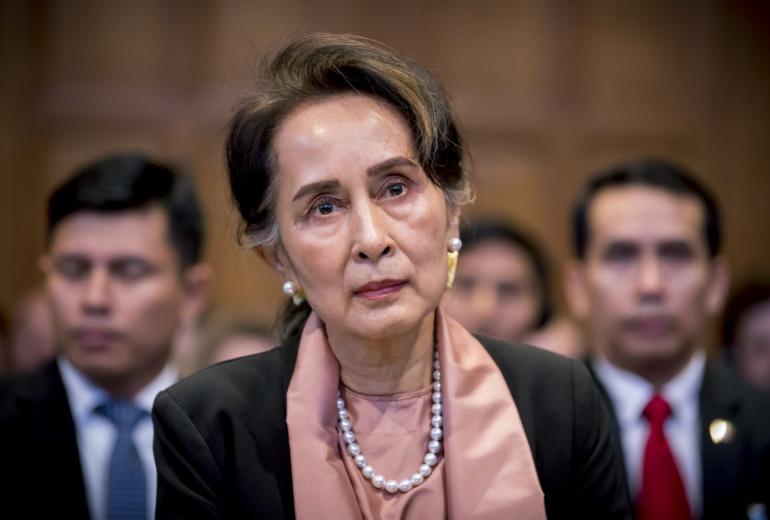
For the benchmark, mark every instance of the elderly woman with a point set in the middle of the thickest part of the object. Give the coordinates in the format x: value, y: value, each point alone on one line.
x: 346, y: 167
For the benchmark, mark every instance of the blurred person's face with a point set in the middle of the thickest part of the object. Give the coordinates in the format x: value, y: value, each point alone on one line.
x: 647, y: 282
x: 753, y: 345
x: 239, y: 345
x: 117, y: 295
x: 496, y: 292
x: 32, y: 342
x: 362, y: 229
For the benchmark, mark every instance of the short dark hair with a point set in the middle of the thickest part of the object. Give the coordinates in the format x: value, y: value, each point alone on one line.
x: 659, y: 174
x: 129, y: 182
x: 487, y: 229
x: 740, y: 302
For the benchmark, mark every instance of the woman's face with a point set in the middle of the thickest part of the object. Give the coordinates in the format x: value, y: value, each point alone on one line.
x: 363, y: 230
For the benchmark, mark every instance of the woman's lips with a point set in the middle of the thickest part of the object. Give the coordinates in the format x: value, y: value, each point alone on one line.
x: 380, y: 289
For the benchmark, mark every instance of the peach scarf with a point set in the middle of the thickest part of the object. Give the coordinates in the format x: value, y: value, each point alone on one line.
x: 488, y: 468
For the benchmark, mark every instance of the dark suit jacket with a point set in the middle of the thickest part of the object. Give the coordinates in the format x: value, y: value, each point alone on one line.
x: 736, y: 473
x: 222, y: 448
x: 40, y: 474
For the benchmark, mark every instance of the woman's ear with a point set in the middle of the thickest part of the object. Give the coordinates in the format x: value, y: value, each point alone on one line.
x: 275, y: 257
x: 454, y: 223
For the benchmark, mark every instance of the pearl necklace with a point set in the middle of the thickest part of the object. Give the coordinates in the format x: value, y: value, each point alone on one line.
x: 431, y: 456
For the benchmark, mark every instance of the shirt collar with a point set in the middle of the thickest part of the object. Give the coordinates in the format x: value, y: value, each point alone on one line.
x: 84, y: 395
x: 630, y: 393
x: 683, y: 389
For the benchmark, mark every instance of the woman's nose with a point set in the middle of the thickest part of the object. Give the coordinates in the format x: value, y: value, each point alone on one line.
x: 371, y: 239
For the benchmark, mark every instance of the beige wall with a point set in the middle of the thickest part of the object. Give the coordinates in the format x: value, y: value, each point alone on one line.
x: 546, y: 91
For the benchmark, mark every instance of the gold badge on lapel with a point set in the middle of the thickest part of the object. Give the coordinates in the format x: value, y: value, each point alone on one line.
x: 721, y: 431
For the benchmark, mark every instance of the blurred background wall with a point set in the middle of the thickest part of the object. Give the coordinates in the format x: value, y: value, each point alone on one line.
x: 546, y: 91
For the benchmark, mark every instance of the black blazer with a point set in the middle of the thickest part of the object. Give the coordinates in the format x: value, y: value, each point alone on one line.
x: 222, y: 448
x: 40, y: 474
x: 736, y: 474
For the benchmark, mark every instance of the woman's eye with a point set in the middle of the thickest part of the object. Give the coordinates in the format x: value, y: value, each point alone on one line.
x: 324, y: 207
x: 396, y: 189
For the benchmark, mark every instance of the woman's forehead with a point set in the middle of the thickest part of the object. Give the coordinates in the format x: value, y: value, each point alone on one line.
x: 337, y: 134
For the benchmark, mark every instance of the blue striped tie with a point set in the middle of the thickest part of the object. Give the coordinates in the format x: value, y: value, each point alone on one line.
x: 126, y: 481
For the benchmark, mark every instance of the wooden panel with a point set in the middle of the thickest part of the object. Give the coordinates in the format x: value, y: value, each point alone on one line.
x: 548, y: 92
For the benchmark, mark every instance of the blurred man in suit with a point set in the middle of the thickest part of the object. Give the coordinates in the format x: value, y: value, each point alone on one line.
x: 122, y: 272
x: 647, y: 275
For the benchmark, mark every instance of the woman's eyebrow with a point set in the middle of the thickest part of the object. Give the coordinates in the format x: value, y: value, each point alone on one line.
x: 316, y: 187
x: 388, y: 164
x: 321, y: 186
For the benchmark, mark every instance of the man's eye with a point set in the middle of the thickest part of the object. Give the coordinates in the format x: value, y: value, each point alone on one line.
x: 619, y: 253
x: 72, y: 268
x: 130, y: 270
x: 677, y: 252
x: 509, y: 290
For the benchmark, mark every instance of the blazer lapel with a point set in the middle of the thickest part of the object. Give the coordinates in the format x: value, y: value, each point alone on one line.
x: 614, y: 425
x: 50, y: 446
x: 720, y: 442
x: 269, y: 430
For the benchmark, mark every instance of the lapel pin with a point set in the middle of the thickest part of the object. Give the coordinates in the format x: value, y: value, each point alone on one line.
x: 721, y: 431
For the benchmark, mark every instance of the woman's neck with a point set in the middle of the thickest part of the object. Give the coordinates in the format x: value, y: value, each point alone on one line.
x: 385, y: 366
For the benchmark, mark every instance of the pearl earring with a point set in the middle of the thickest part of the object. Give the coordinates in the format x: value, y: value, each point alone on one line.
x: 454, y: 244
x: 290, y: 289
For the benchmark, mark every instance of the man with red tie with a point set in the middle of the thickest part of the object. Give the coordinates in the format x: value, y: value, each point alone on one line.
x: 647, y: 275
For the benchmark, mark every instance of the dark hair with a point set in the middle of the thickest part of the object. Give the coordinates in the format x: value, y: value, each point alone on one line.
x: 315, y: 67
x: 479, y: 231
x: 658, y: 174
x: 129, y: 182
x: 739, y: 303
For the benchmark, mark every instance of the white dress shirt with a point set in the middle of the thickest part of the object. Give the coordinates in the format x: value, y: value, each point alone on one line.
x: 96, y: 434
x: 630, y: 394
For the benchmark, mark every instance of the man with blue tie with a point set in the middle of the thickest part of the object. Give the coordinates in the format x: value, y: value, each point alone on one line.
x: 647, y: 274
x: 122, y: 272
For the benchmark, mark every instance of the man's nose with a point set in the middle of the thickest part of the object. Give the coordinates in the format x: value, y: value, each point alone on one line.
x: 650, y: 282
x: 96, y: 298
x: 370, y: 235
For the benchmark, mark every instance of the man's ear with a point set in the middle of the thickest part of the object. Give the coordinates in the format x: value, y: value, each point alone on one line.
x: 45, y: 264
x: 576, y: 289
x: 197, y: 289
x: 718, y: 286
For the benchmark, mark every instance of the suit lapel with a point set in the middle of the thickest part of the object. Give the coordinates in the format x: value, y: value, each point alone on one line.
x: 718, y: 401
x: 614, y: 425
x: 54, y: 459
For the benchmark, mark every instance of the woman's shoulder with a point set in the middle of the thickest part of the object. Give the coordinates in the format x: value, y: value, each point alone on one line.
x: 544, y: 385
x: 235, y: 383
x: 526, y: 362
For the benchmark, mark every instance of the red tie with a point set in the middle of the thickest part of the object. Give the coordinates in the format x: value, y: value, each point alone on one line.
x: 662, y: 496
